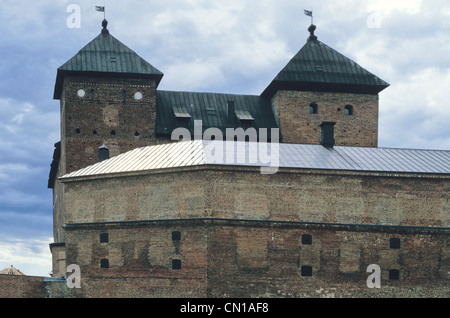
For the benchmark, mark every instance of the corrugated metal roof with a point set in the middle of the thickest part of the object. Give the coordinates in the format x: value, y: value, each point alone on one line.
x: 297, y: 156
x: 319, y: 67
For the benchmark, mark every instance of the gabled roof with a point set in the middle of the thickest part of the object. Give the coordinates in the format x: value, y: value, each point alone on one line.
x: 106, y: 55
x: 295, y: 156
x: 212, y: 110
x: 318, y: 67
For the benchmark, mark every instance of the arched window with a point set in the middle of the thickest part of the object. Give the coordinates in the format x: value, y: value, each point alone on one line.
x: 348, y: 110
x: 313, y: 108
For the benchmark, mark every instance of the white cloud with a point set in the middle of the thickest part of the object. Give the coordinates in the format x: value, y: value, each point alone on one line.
x: 415, y: 112
x: 31, y: 257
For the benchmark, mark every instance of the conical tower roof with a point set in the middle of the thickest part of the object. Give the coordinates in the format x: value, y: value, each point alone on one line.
x: 318, y: 67
x: 105, y: 55
x: 11, y: 271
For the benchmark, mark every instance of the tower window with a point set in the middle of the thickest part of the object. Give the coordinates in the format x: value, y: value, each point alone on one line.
x: 306, y: 239
x: 176, y: 236
x: 78, y: 131
x: 104, y: 263
x: 394, y: 243
x: 94, y: 132
x: 394, y: 274
x: 176, y: 264
x: 306, y: 270
x: 104, y: 238
x: 313, y: 108
x: 113, y: 132
x: 92, y: 94
x: 124, y: 95
x: 348, y: 110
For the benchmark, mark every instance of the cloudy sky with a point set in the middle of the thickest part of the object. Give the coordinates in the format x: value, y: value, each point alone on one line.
x: 232, y: 46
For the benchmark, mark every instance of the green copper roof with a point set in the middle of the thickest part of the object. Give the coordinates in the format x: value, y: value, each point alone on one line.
x: 318, y: 67
x: 106, y: 55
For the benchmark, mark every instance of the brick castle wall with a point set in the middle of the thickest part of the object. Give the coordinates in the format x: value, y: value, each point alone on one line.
x: 20, y: 286
x: 299, y: 126
x: 108, y: 114
x: 241, y: 234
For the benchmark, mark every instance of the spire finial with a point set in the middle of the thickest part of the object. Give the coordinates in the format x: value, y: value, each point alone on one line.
x: 104, y: 25
x: 311, y: 30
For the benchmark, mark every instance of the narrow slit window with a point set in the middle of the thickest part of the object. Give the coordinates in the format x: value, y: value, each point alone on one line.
x: 176, y: 236
x: 306, y: 239
x: 104, y: 263
x: 394, y: 242
x: 104, y: 238
x: 306, y: 270
x: 176, y: 264
x: 313, y: 108
x: 124, y: 96
x: 394, y: 274
x: 348, y: 110
x: 92, y: 94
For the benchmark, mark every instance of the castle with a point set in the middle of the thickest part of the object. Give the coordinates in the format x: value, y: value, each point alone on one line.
x: 144, y: 214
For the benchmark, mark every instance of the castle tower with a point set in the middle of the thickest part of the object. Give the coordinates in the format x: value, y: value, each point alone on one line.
x: 108, y: 97
x: 321, y: 85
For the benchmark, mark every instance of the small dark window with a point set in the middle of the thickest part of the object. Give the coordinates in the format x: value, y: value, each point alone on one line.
x: 306, y: 239
x: 176, y: 236
x: 124, y: 95
x: 313, y: 108
x: 78, y: 131
x: 348, y: 110
x: 94, y: 132
x: 394, y: 274
x: 394, y: 243
x: 104, y: 263
x: 113, y: 132
x: 92, y: 94
x: 104, y: 238
x: 306, y: 270
x: 136, y: 134
x: 176, y: 264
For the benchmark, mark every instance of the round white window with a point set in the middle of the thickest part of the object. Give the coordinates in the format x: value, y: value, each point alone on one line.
x: 138, y: 96
x: 81, y: 93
